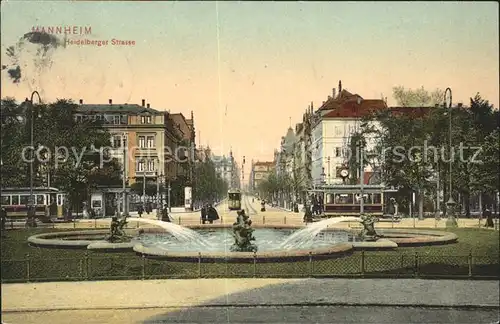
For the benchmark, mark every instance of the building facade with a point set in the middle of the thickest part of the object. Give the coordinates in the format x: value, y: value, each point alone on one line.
x: 260, y: 172
x: 334, y: 123
x: 148, y: 142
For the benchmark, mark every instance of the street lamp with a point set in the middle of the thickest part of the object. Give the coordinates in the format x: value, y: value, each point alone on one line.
x: 124, y: 184
x: 450, y: 204
x: 30, y: 222
x: 328, y: 169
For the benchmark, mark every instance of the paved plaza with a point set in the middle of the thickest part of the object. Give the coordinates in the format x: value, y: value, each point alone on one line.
x: 274, y: 216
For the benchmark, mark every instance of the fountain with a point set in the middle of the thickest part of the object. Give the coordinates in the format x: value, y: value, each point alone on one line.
x: 241, y: 241
x: 306, y: 236
x: 243, y: 234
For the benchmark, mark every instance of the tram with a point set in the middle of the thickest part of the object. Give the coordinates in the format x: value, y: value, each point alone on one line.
x: 16, y: 201
x: 234, y: 199
x: 344, y: 200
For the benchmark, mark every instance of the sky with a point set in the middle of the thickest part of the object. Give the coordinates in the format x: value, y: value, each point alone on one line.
x: 250, y: 69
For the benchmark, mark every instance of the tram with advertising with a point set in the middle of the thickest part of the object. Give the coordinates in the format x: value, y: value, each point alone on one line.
x: 344, y: 200
x: 48, y: 203
x: 234, y: 199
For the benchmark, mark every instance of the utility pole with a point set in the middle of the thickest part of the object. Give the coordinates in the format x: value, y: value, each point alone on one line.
x: 169, y: 189
x: 158, y: 205
x: 144, y: 182
x: 362, y: 181
x: 124, y: 195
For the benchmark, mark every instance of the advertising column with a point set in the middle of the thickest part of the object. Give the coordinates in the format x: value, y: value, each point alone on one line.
x: 188, y: 199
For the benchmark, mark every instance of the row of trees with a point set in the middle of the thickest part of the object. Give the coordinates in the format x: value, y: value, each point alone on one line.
x: 474, y: 154
x: 422, y: 169
x: 83, y: 169
x: 78, y: 172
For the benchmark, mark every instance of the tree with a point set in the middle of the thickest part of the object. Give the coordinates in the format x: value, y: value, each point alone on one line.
x: 72, y: 155
x: 418, y: 97
x: 209, y: 185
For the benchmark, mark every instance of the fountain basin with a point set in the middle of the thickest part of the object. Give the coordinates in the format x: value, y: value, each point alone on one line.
x: 94, y: 240
x: 79, y: 240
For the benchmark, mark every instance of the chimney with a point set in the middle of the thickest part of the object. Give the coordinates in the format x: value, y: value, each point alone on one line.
x: 143, y: 102
x: 312, y: 106
x: 147, y: 106
x: 333, y: 93
x: 329, y: 97
x: 110, y: 101
x: 340, y: 86
x: 81, y: 101
x: 323, y: 102
x: 460, y: 105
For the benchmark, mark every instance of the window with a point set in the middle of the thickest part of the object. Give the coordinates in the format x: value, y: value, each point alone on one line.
x: 40, y: 200
x: 15, y: 200
x: 142, y: 141
x: 140, y: 166
x: 337, y: 151
x: 24, y: 199
x: 146, y: 119
x: 151, y: 165
x: 337, y: 130
x: 124, y: 119
x: 5, y: 200
x: 377, y: 198
x: 151, y: 141
x: 343, y: 199
x: 117, y: 141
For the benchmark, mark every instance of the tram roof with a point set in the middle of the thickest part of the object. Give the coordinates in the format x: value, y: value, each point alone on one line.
x: 27, y: 189
x: 352, y: 188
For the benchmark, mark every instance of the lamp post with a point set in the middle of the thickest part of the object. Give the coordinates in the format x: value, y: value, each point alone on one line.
x: 450, y: 204
x: 328, y: 170
x: 30, y: 222
x: 169, y: 190
x: 124, y: 183
x: 144, y: 182
x: 361, y: 180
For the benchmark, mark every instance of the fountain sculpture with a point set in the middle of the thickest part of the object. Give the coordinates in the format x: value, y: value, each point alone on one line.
x: 243, y: 234
x: 368, y: 233
x: 117, y: 234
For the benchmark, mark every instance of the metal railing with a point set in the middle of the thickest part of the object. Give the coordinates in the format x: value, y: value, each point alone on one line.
x: 90, y: 266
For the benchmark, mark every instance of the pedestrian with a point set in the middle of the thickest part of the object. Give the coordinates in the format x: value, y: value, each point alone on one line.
x: 489, y: 218
x: 212, y: 214
x: 4, y: 218
x: 203, y: 214
x: 140, y: 210
x: 165, y: 217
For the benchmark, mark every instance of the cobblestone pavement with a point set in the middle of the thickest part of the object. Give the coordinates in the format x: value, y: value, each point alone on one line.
x: 287, y: 314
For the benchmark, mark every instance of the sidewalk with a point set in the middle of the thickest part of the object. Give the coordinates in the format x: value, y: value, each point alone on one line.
x: 245, y: 292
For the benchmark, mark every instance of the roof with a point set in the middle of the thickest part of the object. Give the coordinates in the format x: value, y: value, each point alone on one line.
x: 355, y: 108
x: 116, y: 108
x: 263, y: 163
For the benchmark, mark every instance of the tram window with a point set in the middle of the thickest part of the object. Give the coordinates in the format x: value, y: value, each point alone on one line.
x: 234, y: 196
x: 343, y: 199
x: 40, y: 199
x: 59, y: 200
x: 329, y: 198
x: 15, y: 200
x: 377, y: 198
x: 5, y: 200
x: 24, y: 199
